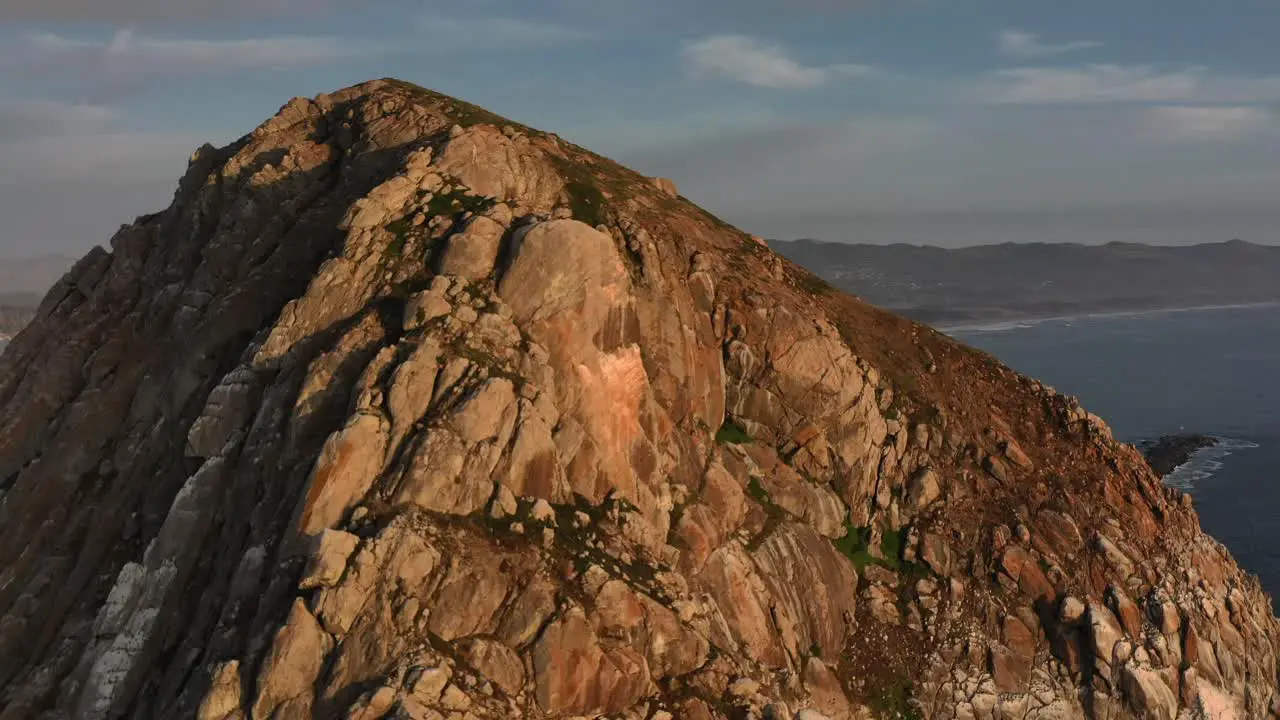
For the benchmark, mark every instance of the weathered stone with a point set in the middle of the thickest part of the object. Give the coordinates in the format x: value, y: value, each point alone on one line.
x: 997, y: 468
x: 1012, y: 673
x: 1070, y: 610
x: 504, y: 505
x: 471, y: 253
x: 328, y: 560
x: 1011, y: 664
x: 224, y: 698
x: 1129, y: 615
x: 1018, y: 564
x: 1058, y: 533
x: 825, y: 691
x: 344, y: 472
x: 936, y: 553
x: 1014, y: 452
x: 428, y: 684
x: 1148, y: 694
x: 574, y: 675
x: 1104, y: 633
x: 924, y: 489
x: 882, y: 603
x: 297, y: 657
x: 227, y: 410
x: 497, y: 663
x: 1113, y: 554
x: 668, y: 187
x: 494, y: 165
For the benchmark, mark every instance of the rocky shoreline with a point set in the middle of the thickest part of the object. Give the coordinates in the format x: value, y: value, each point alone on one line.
x: 1171, y: 452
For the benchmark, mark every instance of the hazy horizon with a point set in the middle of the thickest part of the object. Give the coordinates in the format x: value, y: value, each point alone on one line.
x: 985, y: 229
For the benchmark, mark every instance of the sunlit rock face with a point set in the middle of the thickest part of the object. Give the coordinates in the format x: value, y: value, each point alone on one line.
x: 405, y: 410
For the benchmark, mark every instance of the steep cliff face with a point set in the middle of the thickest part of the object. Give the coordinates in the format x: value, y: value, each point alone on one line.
x: 405, y: 410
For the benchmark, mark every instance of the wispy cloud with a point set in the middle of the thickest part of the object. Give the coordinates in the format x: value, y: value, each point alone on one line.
x: 127, y: 48
x: 792, y: 164
x: 107, y: 68
x: 1122, y: 83
x: 1181, y: 122
x: 146, y: 12
x: 1020, y: 43
x: 500, y: 33
x: 759, y: 63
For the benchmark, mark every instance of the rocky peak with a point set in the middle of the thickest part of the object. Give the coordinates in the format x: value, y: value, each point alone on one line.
x: 404, y: 410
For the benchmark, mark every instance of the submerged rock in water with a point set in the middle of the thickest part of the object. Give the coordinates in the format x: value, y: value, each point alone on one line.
x: 1173, y: 451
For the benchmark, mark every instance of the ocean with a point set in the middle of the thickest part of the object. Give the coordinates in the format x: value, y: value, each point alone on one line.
x: 1213, y: 371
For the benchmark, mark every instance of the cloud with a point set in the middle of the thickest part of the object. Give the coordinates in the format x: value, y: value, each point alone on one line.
x: 1180, y: 122
x: 107, y: 68
x: 501, y: 32
x: 30, y: 118
x: 791, y: 167
x: 1049, y: 161
x: 129, y: 49
x: 1019, y: 43
x: 1102, y: 83
x: 759, y: 63
x: 148, y: 12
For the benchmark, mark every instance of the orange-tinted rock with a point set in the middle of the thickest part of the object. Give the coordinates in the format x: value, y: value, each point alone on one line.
x: 618, y: 459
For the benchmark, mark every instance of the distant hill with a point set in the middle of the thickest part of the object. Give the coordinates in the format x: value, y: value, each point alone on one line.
x: 1011, y: 281
x: 23, y: 283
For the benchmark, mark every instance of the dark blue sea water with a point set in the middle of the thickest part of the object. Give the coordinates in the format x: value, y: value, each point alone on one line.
x: 1213, y: 371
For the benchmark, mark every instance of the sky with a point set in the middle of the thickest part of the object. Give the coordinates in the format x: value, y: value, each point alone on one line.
x: 944, y: 122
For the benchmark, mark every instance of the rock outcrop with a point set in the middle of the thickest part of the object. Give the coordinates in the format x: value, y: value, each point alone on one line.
x: 1171, y: 452
x: 403, y: 410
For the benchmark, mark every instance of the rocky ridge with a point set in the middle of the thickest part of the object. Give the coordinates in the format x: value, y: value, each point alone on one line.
x: 404, y: 410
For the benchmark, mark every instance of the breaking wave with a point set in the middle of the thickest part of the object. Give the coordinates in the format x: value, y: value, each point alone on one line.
x: 1205, y: 463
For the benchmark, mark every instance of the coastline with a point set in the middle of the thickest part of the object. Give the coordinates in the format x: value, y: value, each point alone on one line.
x: 1010, y: 323
x: 1168, y: 453
x: 1205, y: 462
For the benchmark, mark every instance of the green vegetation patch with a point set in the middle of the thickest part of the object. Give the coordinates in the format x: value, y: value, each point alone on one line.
x: 748, y: 245
x: 759, y: 494
x: 401, y: 231
x: 812, y: 284
x: 457, y: 202
x: 731, y: 433
x: 856, y: 545
x: 893, y: 702
x: 582, y: 185
x: 891, y: 546
x: 586, y: 201
x: 593, y: 183
x: 460, y: 112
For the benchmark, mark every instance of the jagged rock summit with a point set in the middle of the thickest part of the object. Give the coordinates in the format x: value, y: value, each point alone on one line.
x: 403, y: 410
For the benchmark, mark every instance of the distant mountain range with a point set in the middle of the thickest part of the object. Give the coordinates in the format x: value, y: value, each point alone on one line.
x: 1015, y: 281
x: 23, y: 283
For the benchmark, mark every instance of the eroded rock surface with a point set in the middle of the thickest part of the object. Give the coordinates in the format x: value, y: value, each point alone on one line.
x: 402, y: 410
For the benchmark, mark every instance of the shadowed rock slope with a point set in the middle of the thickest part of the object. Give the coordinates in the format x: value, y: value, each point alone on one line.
x: 405, y: 410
